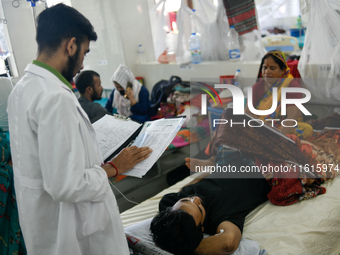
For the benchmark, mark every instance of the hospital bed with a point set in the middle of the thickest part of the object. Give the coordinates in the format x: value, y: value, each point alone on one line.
x: 284, y: 43
x: 307, y: 227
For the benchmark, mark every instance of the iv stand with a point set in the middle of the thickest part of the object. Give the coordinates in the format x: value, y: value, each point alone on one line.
x: 34, y: 13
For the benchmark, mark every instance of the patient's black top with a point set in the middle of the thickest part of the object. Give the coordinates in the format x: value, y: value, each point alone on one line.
x: 223, y: 199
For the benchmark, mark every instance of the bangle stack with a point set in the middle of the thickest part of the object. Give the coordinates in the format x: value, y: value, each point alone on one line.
x: 109, y: 162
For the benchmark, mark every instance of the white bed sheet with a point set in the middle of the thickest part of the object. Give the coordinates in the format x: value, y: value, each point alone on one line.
x: 307, y: 227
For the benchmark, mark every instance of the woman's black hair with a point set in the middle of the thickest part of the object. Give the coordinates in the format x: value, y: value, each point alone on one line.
x: 277, y: 61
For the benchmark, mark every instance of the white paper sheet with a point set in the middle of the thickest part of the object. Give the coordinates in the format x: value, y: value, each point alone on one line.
x: 112, y: 132
x: 157, y: 135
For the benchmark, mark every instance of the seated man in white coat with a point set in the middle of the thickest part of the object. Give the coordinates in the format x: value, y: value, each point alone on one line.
x: 66, y: 205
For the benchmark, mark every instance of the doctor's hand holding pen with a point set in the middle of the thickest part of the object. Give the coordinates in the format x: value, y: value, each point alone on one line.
x: 125, y: 160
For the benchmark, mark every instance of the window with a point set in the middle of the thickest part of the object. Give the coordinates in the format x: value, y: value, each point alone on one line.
x: 279, y: 13
x: 55, y: 2
x: 7, y: 61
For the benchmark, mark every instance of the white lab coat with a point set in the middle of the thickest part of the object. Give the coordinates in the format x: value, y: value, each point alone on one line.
x: 66, y: 205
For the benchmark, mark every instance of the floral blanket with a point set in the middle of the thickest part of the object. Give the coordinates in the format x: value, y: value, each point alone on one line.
x: 279, y: 159
x: 323, y: 155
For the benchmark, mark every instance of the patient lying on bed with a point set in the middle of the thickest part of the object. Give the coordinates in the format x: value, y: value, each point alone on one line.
x: 216, y: 206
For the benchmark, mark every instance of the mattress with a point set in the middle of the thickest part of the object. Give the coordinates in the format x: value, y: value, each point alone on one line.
x: 307, y: 227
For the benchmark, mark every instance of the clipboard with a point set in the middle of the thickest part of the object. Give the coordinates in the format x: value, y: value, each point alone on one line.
x: 114, y: 133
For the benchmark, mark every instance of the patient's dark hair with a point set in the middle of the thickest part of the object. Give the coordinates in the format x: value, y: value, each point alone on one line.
x: 84, y: 80
x: 176, y: 231
x: 60, y: 22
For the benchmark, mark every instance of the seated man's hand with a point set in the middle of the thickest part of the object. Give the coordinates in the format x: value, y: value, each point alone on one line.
x: 129, y: 157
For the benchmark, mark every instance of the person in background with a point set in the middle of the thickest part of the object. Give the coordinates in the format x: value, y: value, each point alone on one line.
x: 275, y: 73
x: 130, y: 98
x: 65, y: 202
x: 89, y: 86
x: 12, y: 241
x: 5, y: 90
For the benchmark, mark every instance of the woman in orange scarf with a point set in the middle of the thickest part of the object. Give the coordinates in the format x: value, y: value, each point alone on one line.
x: 274, y: 72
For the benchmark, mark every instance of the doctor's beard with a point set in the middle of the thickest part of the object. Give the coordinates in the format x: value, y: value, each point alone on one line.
x: 68, y: 72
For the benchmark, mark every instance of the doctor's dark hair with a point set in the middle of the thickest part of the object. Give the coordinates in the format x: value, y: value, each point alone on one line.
x: 61, y: 22
x: 176, y: 231
x: 84, y: 80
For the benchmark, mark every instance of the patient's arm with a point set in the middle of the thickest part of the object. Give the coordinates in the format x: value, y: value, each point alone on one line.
x: 224, y: 243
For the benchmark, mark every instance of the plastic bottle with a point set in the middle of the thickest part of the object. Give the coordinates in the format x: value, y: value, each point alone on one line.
x: 299, y: 22
x: 194, y: 42
x: 299, y: 26
x: 237, y: 77
x: 233, y: 44
x: 195, y: 49
x: 141, y: 54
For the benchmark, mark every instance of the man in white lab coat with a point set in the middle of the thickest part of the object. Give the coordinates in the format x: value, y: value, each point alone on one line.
x: 66, y: 205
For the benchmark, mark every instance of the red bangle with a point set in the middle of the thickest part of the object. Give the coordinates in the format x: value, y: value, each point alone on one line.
x: 109, y: 162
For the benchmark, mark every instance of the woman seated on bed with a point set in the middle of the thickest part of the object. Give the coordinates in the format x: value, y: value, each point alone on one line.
x: 130, y: 98
x: 275, y: 73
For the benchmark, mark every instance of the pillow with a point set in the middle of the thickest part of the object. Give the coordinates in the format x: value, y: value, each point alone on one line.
x: 140, y: 239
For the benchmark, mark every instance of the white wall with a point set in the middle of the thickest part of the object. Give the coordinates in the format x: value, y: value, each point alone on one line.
x: 153, y: 72
x: 107, y: 52
x: 133, y: 17
x: 121, y: 27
